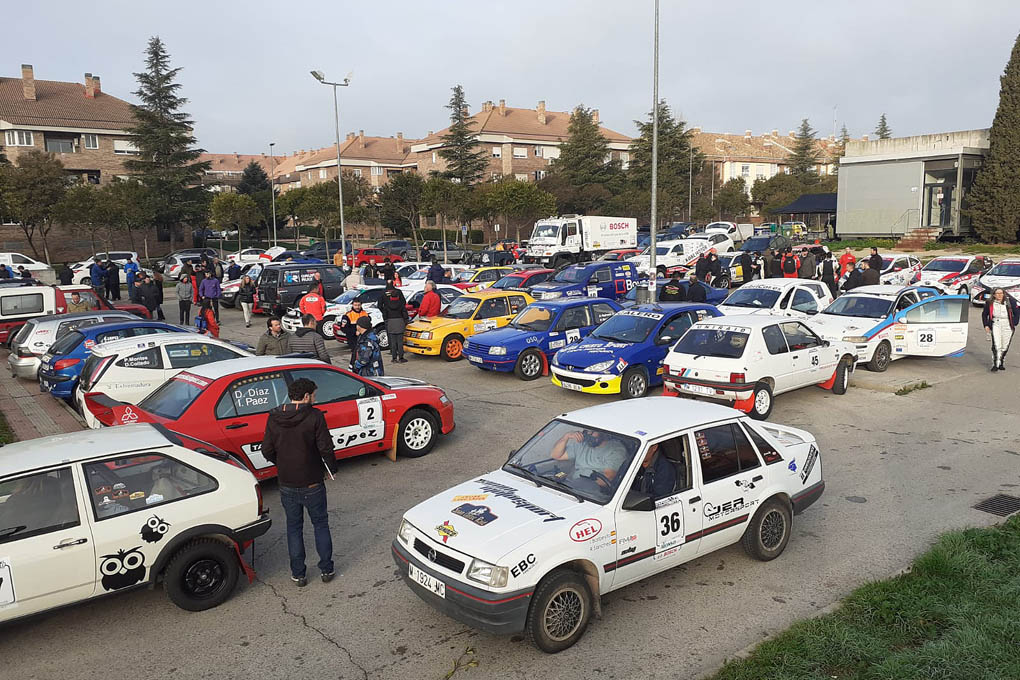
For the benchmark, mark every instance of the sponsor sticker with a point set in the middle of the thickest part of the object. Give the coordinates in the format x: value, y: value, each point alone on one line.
x: 585, y: 530
x: 809, y: 464
x: 467, y: 498
x: 477, y: 514
x: 446, y: 530
x: 510, y: 494
x: 193, y: 379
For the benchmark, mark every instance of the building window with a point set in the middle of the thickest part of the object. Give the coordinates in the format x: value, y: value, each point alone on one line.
x: 745, y: 170
x: 520, y: 152
x: 521, y: 177
x: 322, y: 173
x: 125, y: 147
x: 433, y: 156
x: 376, y: 171
x: 19, y: 138
x: 540, y: 174
x: 356, y: 172
x: 624, y: 160
x: 58, y: 144
x: 92, y: 176
x: 497, y: 152
x: 538, y: 152
x: 608, y: 159
x: 91, y: 141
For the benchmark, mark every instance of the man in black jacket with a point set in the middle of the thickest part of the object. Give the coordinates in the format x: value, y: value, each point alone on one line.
x: 672, y: 291
x: 307, y: 340
x: 703, y: 267
x: 149, y: 295
x: 870, y: 276
x: 875, y: 260
x: 855, y: 279
x: 746, y: 266
x: 695, y: 290
x: 298, y: 442
x: 394, y: 312
x: 112, y: 280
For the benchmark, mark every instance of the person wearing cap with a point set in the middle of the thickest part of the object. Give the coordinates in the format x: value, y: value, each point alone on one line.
x: 672, y: 291
x: 366, y: 359
x: 695, y: 291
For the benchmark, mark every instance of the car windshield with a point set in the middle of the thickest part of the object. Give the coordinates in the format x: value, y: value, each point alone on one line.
x: 171, y: 399
x: 67, y: 343
x: 571, y: 275
x: 465, y: 276
x: 753, y: 298
x: 752, y: 245
x: 418, y: 275
x: 462, y: 308
x: 1005, y: 269
x: 712, y: 342
x: 534, y: 318
x: 945, y: 266
x: 864, y: 306
x: 659, y: 250
x: 347, y: 297
x: 508, y: 282
x: 586, y: 462
x: 611, y: 256
x: 546, y: 231
x: 627, y: 327
x: 886, y: 263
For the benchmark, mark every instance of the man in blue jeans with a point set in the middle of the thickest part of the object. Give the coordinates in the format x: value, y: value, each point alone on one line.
x: 298, y: 442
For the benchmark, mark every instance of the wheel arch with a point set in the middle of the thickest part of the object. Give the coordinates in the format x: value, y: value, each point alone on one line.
x: 590, y: 572
x: 214, y: 531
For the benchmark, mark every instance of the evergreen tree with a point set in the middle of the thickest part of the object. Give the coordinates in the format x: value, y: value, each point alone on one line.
x: 465, y: 158
x: 732, y: 200
x: 583, y: 179
x: 883, y: 131
x: 677, y: 157
x: 839, y: 148
x: 805, y: 156
x: 400, y: 204
x: 167, y: 161
x: 253, y: 180
x: 994, y: 200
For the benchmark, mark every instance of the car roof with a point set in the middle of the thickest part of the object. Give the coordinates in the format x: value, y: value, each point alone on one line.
x: 747, y: 320
x: 154, y: 340
x: 658, y: 307
x: 774, y: 284
x: 61, y: 318
x: 219, y: 369
x: 958, y: 258
x: 882, y: 290
x: 126, y: 323
x: 564, y: 303
x: 488, y: 293
x: 73, y: 446
x: 651, y: 417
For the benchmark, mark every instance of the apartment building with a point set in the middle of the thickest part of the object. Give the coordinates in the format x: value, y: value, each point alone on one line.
x: 225, y: 169
x: 83, y: 126
x: 376, y: 159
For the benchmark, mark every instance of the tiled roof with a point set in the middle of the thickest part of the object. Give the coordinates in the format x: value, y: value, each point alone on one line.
x: 765, y: 148
x: 524, y: 124
x: 236, y: 162
x: 59, y: 104
x: 381, y: 150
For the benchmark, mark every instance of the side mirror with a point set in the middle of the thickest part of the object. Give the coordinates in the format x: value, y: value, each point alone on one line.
x: 638, y: 501
x: 664, y: 340
x: 825, y: 343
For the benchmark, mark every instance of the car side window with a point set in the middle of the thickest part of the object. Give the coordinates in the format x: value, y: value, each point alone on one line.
x: 517, y: 303
x: 90, y: 298
x: 939, y: 311
x: 253, y: 395
x: 905, y: 301
x: 974, y: 267
x: 675, y: 327
x: 601, y: 311
x: 149, y: 358
x: 332, y: 386
x: 799, y: 337
x: 492, y: 307
x: 14, y: 305
x: 745, y: 452
x: 575, y: 317
x: 717, y: 452
x: 37, y: 504
x: 488, y: 275
x: 804, y: 301
x: 601, y: 275
x: 110, y: 336
x: 775, y: 341
x: 785, y: 304
x: 128, y: 484
x: 817, y: 289
x: 668, y: 470
x: 768, y: 452
x: 188, y: 354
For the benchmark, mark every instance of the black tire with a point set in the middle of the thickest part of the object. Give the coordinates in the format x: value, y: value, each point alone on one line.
x: 722, y: 282
x: 880, y: 359
x: 383, y: 335
x: 87, y: 281
x: 452, y: 348
x: 769, y: 531
x: 964, y: 291
x: 761, y: 401
x: 842, y: 381
x: 634, y: 383
x: 327, y: 327
x: 529, y: 365
x: 417, y: 433
x: 201, y: 575
x: 560, y: 611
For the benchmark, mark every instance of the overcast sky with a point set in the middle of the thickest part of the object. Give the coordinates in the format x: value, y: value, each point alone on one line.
x: 931, y: 65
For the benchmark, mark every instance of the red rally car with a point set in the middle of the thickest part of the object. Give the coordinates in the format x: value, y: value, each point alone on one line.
x: 226, y: 403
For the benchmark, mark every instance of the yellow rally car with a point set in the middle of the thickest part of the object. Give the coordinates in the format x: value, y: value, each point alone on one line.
x: 469, y: 314
x: 480, y: 278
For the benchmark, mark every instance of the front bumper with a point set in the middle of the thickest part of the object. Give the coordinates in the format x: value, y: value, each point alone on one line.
x: 24, y: 367
x: 497, y: 613
x: 424, y: 347
x: 589, y: 383
x: 505, y: 363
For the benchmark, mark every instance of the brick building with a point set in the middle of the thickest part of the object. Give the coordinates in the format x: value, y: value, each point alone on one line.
x: 83, y: 126
x: 225, y: 169
x: 376, y: 159
x: 521, y: 143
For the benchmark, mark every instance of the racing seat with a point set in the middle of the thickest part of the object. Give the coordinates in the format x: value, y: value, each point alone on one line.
x: 675, y: 451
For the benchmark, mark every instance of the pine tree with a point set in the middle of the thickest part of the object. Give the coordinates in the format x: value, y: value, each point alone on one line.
x: 677, y: 157
x: 253, y: 179
x: 883, y: 131
x: 584, y: 179
x: 167, y: 161
x: 994, y: 199
x: 465, y: 158
x: 805, y: 156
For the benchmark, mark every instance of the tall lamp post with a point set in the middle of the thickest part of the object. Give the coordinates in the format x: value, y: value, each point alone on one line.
x: 272, y: 185
x: 318, y: 75
x: 649, y: 294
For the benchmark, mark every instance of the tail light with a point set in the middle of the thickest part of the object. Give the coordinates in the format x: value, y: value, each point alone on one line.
x: 737, y: 378
x: 262, y: 505
x: 24, y: 352
x: 65, y: 363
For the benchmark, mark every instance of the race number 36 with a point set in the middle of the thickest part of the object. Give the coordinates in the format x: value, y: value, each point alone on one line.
x: 6, y: 584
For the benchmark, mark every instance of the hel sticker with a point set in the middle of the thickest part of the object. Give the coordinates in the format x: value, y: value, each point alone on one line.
x: 476, y: 497
x: 154, y: 529
x: 585, y: 530
x: 126, y: 568
x: 129, y: 416
x: 7, y: 596
x: 89, y: 344
x: 194, y: 380
x: 137, y: 495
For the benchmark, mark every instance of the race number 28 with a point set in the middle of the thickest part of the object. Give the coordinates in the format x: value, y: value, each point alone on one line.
x: 926, y: 337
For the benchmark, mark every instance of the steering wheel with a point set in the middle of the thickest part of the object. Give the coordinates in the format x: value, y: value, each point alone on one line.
x: 596, y: 475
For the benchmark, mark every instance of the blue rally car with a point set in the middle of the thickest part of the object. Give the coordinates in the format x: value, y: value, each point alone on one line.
x: 527, y: 344
x: 713, y: 296
x: 624, y: 355
x: 603, y: 279
x: 62, y: 364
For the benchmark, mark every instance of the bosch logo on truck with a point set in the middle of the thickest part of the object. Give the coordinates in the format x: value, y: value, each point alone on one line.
x: 618, y: 225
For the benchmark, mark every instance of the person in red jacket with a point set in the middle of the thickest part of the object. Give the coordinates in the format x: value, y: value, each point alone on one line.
x: 431, y: 303
x: 846, y: 262
x: 206, y: 320
x: 313, y: 303
x: 790, y: 265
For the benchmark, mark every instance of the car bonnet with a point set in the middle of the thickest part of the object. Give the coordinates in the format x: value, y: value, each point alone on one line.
x: 505, y: 336
x: 594, y: 350
x: 835, y: 327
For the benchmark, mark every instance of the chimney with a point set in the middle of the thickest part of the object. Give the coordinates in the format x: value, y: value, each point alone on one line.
x: 486, y: 107
x: 96, y: 85
x: 400, y: 142
x: 350, y: 136
x: 541, y: 112
x: 90, y: 88
x: 502, y: 107
x: 864, y: 138
x: 775, y: 133
x: 28, y: 81
x: 431, y: 132
x: 361, y: 139
x: 595, y: 116
x: 747, y: 134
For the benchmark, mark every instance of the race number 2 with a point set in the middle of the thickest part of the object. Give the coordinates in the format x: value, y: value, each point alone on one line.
x: 7, y: 598
x: 370, y: 411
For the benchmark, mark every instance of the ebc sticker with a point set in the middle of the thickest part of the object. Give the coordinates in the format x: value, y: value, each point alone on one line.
x: 7, y: 596
x: 154, y: 529
x: 477, y: 514
x: 585, y: 530
x: 522, y: 566
x: 124, y: 569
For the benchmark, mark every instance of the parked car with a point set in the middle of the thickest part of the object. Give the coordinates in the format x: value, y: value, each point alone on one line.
x: 684, y: 252
x: 163, y: 264
x: 1005, y: 275
x: 955, y: 275
x: 405, y: 249
x: 761, y: 244
x: 611, y: 280
x: 280, y: 286
x: 898, y: 270
x: 36, y: 337
x: 453, y: 252
x: 469, y: 314
x: 15, y: 260
x: 81, y: 271
x: 713, y: 295
x: 228, y: 289
x: 782, y: 297
x: 716, y: 239
x: 525, y: 279
x: 376, y: 256
x: 620, y: 254
x: 246, y: 256
x: 479, y: 278
x: 323, y: 250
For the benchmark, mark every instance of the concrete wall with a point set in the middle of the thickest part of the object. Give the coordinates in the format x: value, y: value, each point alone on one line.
x: 879, y: 199
x: 943, y: 142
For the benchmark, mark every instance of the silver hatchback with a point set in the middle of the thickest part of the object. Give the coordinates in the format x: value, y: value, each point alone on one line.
x: 36, y: 337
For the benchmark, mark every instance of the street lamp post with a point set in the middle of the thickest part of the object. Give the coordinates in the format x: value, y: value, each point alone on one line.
x: 649, y: 293
x: 318, y: 75
x: 272, y: 185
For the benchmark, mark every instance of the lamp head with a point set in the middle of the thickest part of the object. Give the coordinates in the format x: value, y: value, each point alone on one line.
x: 318, y: 75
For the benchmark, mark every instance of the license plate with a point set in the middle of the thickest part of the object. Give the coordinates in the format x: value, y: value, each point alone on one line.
x: 477, y: 360
x: 699, y: 389
x: 426, y: 581
x: 571, y: 386
x: 46, y: 385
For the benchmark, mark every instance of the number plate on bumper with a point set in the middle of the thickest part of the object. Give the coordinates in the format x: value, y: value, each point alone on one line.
x: 426, y: 581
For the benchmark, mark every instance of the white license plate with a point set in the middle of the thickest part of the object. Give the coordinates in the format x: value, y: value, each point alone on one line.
x: 426, y: 581
x: 46, y: 385
x: 571, y: 386
x: 699, y: 389
x: 477, y: 360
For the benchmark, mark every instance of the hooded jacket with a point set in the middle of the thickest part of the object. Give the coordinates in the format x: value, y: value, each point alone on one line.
x: 298, y: 442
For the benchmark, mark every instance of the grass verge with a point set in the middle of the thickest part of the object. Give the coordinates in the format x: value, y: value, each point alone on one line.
x: 6, y: 433
x: 952, y: 617
x: 907, y: 389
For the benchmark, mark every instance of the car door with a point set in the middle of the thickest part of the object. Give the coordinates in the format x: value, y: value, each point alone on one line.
x: 492, y: 313
x: 651, y: 540
x: 673, y: 326
x: 47, y: 557
x: 600, y: 283
x: 936, y: 327
x: 805, y: 353
x: 731, y: 483
x: 242, y: 409
x: 803, y: 303
x: 353, y: 410
x: 134, y: 375
x: 572, y: 324
x: 778, y: 365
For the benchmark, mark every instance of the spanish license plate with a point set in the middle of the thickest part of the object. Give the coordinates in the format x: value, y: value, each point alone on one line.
x: 46, y: 385
x: 571, y: 386
x: 426, y: 581
x: 698, y: 389
x: 477, y: 360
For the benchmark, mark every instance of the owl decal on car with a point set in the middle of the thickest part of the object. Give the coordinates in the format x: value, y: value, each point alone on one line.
x: 154, y: 529
x: 124, y: 569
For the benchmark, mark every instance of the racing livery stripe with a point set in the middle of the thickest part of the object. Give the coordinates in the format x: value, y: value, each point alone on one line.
x: 718, y: 527
x: 815, y: 488
x: 628, y: 560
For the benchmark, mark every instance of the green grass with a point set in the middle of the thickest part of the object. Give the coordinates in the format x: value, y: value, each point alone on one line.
x: 975, y: 248
x: 954, y: 616
x: 6, y: 433
x: 861, y: 244
x: 907, y: 389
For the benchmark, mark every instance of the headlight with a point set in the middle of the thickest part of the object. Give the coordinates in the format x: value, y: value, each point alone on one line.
x: 405, y: 531
x: 551, y: 295
x: 425, y: 335
x: 600, y: 366
x: 497, y: 350
x: 486, y: 573
x: 857, y: 339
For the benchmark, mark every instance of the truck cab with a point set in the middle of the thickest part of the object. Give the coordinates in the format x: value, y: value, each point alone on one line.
x: 556, y: 241
x: 612, y: 280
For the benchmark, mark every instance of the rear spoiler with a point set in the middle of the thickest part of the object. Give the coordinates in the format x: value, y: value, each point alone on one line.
x: 110, y: 412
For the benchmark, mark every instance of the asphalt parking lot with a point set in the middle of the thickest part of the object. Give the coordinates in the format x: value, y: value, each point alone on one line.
x: 899, y: 471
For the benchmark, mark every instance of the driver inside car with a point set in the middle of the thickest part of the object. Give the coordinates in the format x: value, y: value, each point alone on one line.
x: 595, y: 456
x: 656, y: 476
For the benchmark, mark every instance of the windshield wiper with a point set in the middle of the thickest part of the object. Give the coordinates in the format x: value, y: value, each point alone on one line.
x: 541, y: 481
x: 613, y: 338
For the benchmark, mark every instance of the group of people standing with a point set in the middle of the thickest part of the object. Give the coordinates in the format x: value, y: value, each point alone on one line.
x: 199, y: 284
x: 7, y: 273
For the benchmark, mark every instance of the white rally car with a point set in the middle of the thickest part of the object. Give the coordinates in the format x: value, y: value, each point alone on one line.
x: 746, y: 360
x: 340, y: 305
x: 598, y: 499
x: 899, y: 270
x: 953, y: 275
x: 779, y: 297
x: 668, y: 254
x: 88, y: 514
x: 886, y: 323
x: 1005, y: 275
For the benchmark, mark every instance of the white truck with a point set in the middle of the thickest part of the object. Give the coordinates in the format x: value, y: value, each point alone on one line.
x: 556, y: 241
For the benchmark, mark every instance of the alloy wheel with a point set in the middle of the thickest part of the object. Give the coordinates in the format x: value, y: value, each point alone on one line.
x: 563, y: 614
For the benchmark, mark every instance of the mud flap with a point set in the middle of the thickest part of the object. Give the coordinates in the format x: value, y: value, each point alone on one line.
x: 827, y: 385
x: 248, y: 570
x: 744, y: 405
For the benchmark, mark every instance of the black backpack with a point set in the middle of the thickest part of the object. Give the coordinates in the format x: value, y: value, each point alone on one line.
x: 789, y: 265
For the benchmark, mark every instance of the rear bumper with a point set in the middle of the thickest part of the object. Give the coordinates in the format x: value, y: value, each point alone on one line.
x: 497, y: 613
x: 806, y: 498
x: 57, y: 384
x: 24, y: 367
x: 250, y: 532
